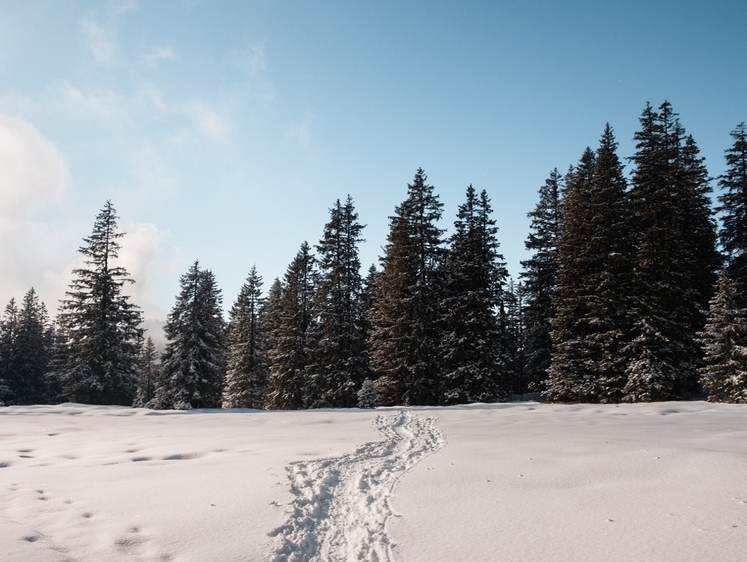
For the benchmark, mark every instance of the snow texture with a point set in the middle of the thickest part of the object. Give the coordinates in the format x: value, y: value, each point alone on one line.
x: 341, y: 504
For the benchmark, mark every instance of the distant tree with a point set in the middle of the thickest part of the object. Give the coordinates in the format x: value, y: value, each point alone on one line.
x: 590, y: 328
x: 247, y: 369
x: 675, y: 260
x: 514, y: 326
x: 367, y: 395
x: 8, y: 329
x: 192, y: 364
x: 27, y: 339
x: 101, y: 326
x: 724, y: 341
x: 403, y: 315
x: 473, y: 353
x: 540, y: 279
x: 147, y: 374
x: 733, y: 199
x: 339, y: 358
x: 290, y: 317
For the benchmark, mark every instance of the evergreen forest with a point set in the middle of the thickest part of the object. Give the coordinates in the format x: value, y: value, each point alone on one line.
x: 635, y: 291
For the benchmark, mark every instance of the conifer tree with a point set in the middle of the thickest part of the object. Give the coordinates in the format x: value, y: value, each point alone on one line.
x: 733, y: 199
x: 590, y: 328
x: 474, y: 355
x: 514, y: 326
x: 247, y: 371
x: 675, y: 259
x: 540, y: 278
x: 27, y: 350
x: 147, y: 374
x: 8, y: 330
x: 339, y: 359
x: 101, y: 325
x: 404, y: 311
x: 724, y: 341
x: 192, y: 364
x: 290, y: 318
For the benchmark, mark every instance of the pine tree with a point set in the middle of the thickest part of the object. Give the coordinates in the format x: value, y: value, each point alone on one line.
x: 290, y: 324
x: 733, y: 233
x: 724, y: 341
x: 590, y: 327
x: 513, y: 309
x: 101, y: 325
x: 28, y: 350
x: 247, y: 371
x: 367, y: 395
x: 339, y: 359
x: 675, y: 259
x: 404, y: 311
x: 540, y: 279
x: 474, y: 355
x: 147, y: 374
x: 8, y: 331
x: 192, y: 364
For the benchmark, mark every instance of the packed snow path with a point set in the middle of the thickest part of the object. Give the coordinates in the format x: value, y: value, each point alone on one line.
x: 341, y: 504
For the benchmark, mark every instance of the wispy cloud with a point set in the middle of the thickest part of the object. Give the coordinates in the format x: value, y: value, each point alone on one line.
x: 99, y: 41
x: 159, y: 54
x: 208, y: 121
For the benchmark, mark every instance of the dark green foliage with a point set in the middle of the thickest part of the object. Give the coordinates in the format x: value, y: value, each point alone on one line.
x: 472, y: 346
x: 247, y: 368
x: 540, y: 279
x: 590, y: 328
x: 147, y: 374
x: 724, y: 341
x: 192, y: 364
x: 339, y: 357
x: 733, y: 234
x: 675, y: 260
x: 404, y: 311
x: 26, y: 339
x: 99, y: 323
x: 513, y: 328
x: 290, y: 323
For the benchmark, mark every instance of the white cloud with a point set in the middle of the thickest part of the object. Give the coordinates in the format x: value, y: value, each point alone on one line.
x: 99, y: 42
x: 124, y: 6
x: 33, y: 182
x: 159, y: 54
x: 207, y: 120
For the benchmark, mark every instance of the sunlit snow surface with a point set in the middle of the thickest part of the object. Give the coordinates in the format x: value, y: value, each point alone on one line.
x: 503, y: 482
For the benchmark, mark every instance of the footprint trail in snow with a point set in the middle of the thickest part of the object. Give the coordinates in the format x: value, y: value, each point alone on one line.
x: 341, y: 504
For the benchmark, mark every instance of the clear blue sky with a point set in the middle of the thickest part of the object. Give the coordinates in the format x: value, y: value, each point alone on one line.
x: 223, y: 131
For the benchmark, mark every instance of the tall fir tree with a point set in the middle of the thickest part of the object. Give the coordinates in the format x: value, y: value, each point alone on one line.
x: 8, y: 330
x: 101, y: 325
x: 247, y: 369
x: 474, y: 355
x: 290, y: 315
x: 339, y: 354
x: 191, y: 373
x: 27, y: 350
x: 147, y: 374
x: 675, y: 259
x: 724, y: 341
x: 590, y: 328
x: 404, y: 311
x: 514, y: 326
x: 733, y: 199
x: 540, y: 279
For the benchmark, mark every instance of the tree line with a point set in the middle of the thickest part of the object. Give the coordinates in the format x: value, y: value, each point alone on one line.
x: 632, y: 293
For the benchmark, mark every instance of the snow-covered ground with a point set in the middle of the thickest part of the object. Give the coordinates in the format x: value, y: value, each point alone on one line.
x: 501, y: 482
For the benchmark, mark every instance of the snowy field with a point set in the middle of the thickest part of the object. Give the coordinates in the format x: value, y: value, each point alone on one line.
x: 502, y: 482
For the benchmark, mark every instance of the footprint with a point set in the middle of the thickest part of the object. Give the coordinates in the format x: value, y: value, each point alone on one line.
x: 140, y: 459
x: 4, y: 464
x: 182, y: 457
x: 87, y: 515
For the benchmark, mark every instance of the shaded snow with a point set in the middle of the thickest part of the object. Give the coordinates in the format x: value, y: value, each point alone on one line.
x: 516, y: 482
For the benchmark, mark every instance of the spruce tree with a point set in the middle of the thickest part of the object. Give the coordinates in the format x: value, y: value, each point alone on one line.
x: 733, y: 199
x: 339, y: 359
x: 247, y: 371
x: 540, y: 279
x: 147, y: 374
x: 27, y: 335
x: 8, y: 330
x: 675, y: 259
x: 474, y: 355
x: 514, y: 326
x: 290, y: 317
x: 404, y: 310
x: 192, y: 364
x: 590, y: 327
x: 101, y: 325
x: 724, y: 341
